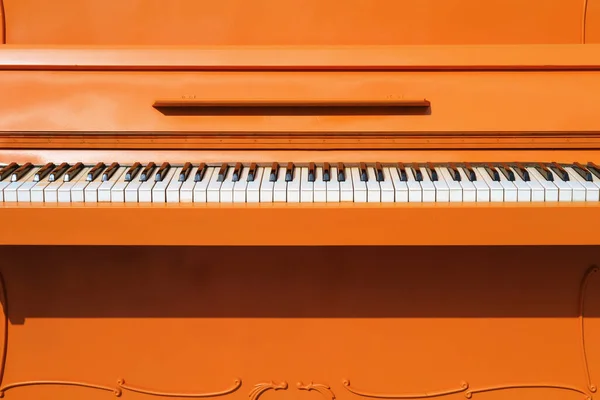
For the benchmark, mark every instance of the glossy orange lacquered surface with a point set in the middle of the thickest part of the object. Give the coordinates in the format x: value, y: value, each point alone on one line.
x: 312, y: 22
x: 282, y: 301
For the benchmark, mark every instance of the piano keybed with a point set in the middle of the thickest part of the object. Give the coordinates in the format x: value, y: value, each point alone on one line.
x: 300, y: 182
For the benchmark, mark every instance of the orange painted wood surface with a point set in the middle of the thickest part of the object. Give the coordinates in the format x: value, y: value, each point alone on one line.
x: 300, y: 224
x: 311, y: 22
x: 272, y: 323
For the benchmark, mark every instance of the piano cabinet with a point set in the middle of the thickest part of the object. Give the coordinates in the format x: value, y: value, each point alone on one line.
x: 310, y: 322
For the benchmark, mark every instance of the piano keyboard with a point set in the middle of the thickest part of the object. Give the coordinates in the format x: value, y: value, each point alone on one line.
x: 300, y: 183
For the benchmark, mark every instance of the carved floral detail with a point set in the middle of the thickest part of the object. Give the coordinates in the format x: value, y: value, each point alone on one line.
x: 464, y: 386
x: 260, y: 388
x: 319, y: 387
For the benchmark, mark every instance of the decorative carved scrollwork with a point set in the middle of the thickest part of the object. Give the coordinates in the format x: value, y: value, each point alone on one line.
x: 260, y: 388
x: 319, y: 387
x: 464, y: 387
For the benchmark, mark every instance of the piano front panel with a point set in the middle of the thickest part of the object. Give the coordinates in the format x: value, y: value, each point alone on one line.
x: 44, y: 103
x: 298, y: 322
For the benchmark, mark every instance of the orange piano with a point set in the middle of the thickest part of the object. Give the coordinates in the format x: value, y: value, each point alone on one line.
x: 384, y: 199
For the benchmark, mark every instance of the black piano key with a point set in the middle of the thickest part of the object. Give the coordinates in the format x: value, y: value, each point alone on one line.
x: 507, y: 172
x: 362, y: 168
x: 42, y: 172
x: 73, y: 172
x: 583, y: 172
x: 162, y: 172
x: 147, y: 172
x: 402, y: 172
x: 522, y: 172
x: 544, y: 171
x: 468, y: 169
x: 58, y: 172
x: 274, y: 172
x: 492, y: 172
x: 7, y: 170
x: 252, y: 172
x: 341, y: 170
x: 594, y: 169
x: 289, y: 172
x: 95, y: 171
x: 237, y: 172
x: 185, y: 171
x: 110, y: 171
x: 431, y: 172
x: 132, y: 171
x: 416, y: 170
x: 312, y: 172
x: 454, y: 174
x: 200, y: 172
x: 560, y: 171
x: 222, y: 172
x: 21, y: 171
x: 326, y: 172
x: 378, y: 172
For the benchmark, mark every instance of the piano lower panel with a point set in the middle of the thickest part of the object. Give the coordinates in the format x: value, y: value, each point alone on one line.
x: 392, y: 321
x: 300, y: 224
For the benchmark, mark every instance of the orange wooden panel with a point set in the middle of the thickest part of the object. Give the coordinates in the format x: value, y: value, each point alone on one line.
x: 270, y: 58
x: 313, y: 22
x: 296, y: 323
x: 592, y: 33
x: 300, y: 224
x: 52, y: 101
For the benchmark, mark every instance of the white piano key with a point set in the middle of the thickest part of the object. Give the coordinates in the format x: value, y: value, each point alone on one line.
x: 51, y: 191
x: 104, y: 191
x: 524, y: 192
x: 360, y: 187
x: 175, y: 185
x: 64, y: 191
x: 427, y: 188
x: 550, y: 189
x: 118, y: 190
x: 132, y: 189
x: 279, y: 190
x: 24, y: 191
x: 400, y: 187
x: 537, y: 190
x: 213, y: 190
x: 186, y: 190
x: 592, y: 189
x: 333, y: 187
x: 11, y: 191
x: 565, y: 191
x: 455, y: 192
x: 346, y: 186
x: 306, y: 188
x: 442, y: 190
x: 90, y: 193
x: 226, y: 195
x: 482, y: 190
x: 320, y: 186
x: 373, y: 186
x: 78, y: 190
x: 415, y: 191
x: 579, y: 190
x: 387, y: 187
x: 37, y: 191
x: 496, y: 189
x: 145, y: 189
x: 159, y: 190
x: 201, y: 188
x: 253, y: 188
x: 510, y: 190
x: 240, y: 187
x: 293, y: 187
